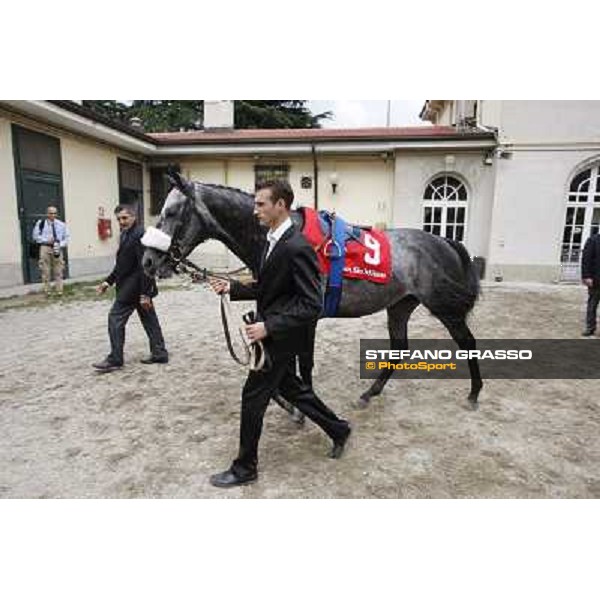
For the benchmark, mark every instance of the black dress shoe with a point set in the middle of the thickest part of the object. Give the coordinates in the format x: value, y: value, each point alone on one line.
x: 588, y: 332
x: 155, y: 359
x: 340, y: 444
x: 106, y: 366
x: 230, y: 479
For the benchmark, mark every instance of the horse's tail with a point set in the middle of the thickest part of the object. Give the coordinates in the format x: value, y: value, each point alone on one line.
x: 471, y: 276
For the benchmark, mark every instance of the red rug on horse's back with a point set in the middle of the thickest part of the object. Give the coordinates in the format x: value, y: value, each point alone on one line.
x: 369, y: 259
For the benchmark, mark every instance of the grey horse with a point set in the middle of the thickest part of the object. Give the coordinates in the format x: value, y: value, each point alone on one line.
x: 426, y: 269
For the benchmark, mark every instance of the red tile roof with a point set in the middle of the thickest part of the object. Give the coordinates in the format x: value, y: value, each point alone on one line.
x: 303, y: 135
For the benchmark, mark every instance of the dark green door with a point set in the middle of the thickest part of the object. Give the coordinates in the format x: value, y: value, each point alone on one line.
x: 39, y: 184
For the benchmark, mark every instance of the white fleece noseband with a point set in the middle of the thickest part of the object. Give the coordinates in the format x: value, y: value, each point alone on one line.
x: 155, y: 238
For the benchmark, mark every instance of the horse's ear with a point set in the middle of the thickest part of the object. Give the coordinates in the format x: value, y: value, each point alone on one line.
x: 178, y: 181
x: 172, y: 171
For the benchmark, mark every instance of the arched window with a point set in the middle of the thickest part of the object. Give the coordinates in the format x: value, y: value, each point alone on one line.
x: 445, y: 207
x: 582, y: 217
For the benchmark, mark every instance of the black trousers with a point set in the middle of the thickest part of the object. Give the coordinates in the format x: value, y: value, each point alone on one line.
x: 306, y: 359
x: 258, y: 390
x: 117, y: 319
x: 592, y: 307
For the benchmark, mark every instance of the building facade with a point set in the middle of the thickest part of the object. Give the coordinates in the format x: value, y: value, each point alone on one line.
x: 515, y: 181
x: 546, y: 197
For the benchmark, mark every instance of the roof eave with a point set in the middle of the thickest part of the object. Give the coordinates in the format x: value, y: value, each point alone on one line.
x: 71, y: 117
x: 339, y: 147
x: 476, y: 135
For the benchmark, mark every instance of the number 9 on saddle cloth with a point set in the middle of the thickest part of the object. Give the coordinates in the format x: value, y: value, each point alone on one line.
x: 346, y: 251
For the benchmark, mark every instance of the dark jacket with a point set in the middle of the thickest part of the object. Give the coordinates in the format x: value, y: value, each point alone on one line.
x: 590, y: 259
x: 287, y: 293
x: 128, y: 274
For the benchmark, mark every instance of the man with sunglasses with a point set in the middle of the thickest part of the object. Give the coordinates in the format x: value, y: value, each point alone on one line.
x: 135, y: 291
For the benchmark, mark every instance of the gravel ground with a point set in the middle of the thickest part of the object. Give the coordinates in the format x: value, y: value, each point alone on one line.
x: 159, y: 431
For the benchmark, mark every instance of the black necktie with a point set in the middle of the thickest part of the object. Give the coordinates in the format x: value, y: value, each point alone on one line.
x: 54, y: 232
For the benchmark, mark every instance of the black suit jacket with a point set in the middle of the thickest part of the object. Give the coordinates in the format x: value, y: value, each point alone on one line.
x: 128, y: 274
x: 287, y: 293
x: 590, y: 259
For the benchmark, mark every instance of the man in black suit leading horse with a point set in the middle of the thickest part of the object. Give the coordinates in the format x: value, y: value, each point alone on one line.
x: 289, y: 302
x: 135, y: 291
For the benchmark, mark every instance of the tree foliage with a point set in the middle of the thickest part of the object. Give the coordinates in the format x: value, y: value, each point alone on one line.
x: 177, y: 115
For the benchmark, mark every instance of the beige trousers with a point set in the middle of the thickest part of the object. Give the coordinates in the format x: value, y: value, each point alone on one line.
x: 51, y: 266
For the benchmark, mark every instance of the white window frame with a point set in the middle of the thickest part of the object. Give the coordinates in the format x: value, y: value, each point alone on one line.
x: 445, y: 203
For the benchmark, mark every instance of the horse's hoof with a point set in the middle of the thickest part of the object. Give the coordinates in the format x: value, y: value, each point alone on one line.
x: 361, y: 403
x: 473, y: 403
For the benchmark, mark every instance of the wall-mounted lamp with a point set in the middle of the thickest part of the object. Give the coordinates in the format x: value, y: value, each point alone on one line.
x: 488, y: 159
x: 334, y: 180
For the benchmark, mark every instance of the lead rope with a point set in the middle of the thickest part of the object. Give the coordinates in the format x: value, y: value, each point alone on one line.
x: 254, y: 351
x: 255, y: 354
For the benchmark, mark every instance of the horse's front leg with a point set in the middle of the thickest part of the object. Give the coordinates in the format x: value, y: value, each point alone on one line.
x: 398, y: 316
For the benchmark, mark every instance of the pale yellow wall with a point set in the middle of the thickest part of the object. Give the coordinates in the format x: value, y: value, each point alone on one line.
x: 365, y: 188
x: 364, y: 191
x: 239, y: 173
x: 300, y: 168
x: 204, y: 170
x: 90, y: 181
x: 10, y: 238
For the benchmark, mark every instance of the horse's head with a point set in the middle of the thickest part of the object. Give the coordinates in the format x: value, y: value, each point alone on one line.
x: 184, y: 223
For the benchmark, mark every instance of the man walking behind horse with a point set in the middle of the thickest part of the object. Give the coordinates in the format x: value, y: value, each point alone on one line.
x: 135, y: 291
x: 289, y: 301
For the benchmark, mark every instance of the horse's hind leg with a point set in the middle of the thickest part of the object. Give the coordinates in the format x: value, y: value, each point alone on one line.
x: 398, y: 316
x: 461, y: 334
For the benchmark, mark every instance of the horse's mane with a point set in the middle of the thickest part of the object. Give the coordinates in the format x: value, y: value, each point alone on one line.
x: 242, y: 195
x: 226, y: 188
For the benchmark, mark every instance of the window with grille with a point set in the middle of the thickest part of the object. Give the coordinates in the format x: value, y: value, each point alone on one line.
x: 445, y: 208
x: 264, y: 173
x: 38, y: 152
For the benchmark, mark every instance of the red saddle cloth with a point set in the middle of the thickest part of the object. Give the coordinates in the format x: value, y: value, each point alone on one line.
x: 369, y: 258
